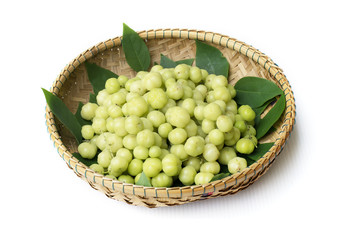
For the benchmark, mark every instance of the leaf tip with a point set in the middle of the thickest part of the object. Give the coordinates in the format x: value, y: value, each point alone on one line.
x: 44, y: 90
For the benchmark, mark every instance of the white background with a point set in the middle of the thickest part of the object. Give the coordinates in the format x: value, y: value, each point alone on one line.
x: 311, y: 191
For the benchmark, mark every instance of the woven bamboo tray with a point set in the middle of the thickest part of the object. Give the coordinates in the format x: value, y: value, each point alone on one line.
x: 72, y: 85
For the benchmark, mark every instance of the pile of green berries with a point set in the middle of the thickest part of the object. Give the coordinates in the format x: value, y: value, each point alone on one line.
x: 176, y: 123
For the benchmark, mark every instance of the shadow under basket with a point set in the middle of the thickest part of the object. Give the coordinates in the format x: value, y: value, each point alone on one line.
x: 72, y: 86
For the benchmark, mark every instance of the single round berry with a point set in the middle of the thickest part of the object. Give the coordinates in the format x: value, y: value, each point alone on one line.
x: 245, y: 146
x: 88, y: 111
x: 212, y: 111
x: 161, y: 180
x: 247, y: 113
x: 157, y: 98
x: 87, y: 150
x: 126, y: 179
x: 97, y: 168
x: 224, y: 123
x: 187, y: 175
x: 152, y: 167
x: 112, y: 85
x: 237, y: 164
x: 177, y: 116
x: 203, y: 178
x: 87, y: 132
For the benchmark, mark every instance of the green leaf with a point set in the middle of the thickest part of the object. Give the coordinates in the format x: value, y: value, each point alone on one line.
x: 185, y: 61
x: 92, y: 98
x: 168, y: 63
x: 258, y: 111
x: 78, y: 116
x: 64, y: 115
x: 249, y: 161
x: 136, y: 52
x: 256, y: 154
x: 211, y: 59
x: 177, y: 183
x: 224, y: 168
x: 270, y: 118
x: 87, y: 162
x: 220, y: 176
x: 260, y: 151
x: 143, y: 180
x: 255, y: 91
x: 98, y: 76
x: 272, y: 129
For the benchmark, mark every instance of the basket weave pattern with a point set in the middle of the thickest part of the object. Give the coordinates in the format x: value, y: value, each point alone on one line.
x: 72, y: 85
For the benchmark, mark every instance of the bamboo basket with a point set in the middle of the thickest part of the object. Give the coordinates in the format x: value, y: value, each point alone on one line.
x: 72, y: 85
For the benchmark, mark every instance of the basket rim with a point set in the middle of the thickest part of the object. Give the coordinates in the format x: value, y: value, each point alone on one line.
x: 205, y: 190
